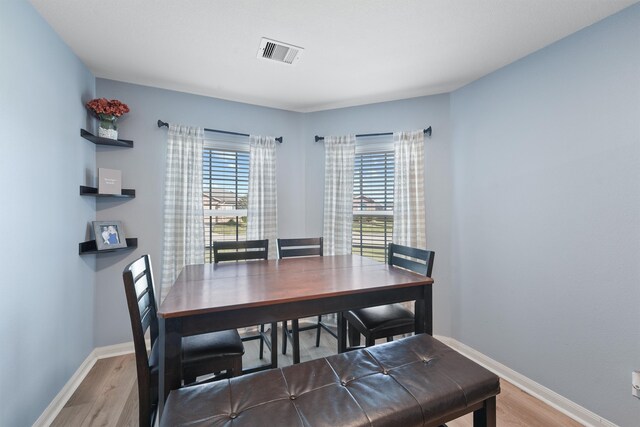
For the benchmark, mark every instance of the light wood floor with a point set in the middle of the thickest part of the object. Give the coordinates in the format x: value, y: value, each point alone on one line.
x: 108, y: 395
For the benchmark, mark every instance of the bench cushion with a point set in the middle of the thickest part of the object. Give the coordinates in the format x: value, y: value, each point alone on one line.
x: 408, y: 382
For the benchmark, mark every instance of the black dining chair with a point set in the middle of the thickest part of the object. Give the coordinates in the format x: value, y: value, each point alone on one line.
x: 386, y: 321
x: 201, y: 354
x: 288, y: 248
x: 247, y: 250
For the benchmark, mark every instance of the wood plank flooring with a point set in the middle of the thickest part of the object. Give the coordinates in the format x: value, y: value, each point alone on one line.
x: 108, y: 395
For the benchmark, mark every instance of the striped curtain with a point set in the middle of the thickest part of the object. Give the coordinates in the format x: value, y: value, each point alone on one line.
x: 183, y: 215
x: 408, y: 199
x: 339, y: 160
x: 262, y: 209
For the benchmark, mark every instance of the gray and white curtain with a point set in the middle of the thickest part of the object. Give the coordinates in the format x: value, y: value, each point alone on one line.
x: 183, y: 215
x: 262, y: 212
x: 408, y: 199
x: 338, y: 193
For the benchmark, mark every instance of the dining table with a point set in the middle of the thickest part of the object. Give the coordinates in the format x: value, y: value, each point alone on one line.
x: 214, y: 297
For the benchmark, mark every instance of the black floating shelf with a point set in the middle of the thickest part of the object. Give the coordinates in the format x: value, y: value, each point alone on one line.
x: 127, y: 193
x: 105, y: 141
x: 89, y: 247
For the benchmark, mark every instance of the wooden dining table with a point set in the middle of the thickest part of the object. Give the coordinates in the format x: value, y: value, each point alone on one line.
x: 214, y: 297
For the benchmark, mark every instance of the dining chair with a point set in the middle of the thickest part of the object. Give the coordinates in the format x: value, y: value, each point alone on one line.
x: 247, y: 250
x: 201, y: 354
x: 386, y: 321
x: 288, y: 248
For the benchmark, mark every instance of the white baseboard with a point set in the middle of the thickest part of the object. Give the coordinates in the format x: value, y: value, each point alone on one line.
x: 550, y: 397
x: 58, y: 402
x: 115, y: 350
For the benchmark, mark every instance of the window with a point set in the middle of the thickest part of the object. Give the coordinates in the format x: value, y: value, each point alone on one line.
x: 373, y: 203
x: 225, y: 184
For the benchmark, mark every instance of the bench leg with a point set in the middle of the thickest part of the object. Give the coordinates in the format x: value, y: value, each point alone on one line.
x: 486, y: 416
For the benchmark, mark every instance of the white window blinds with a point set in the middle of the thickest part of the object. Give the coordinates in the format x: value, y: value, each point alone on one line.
x: 373, y: 203
x: 225, y: 182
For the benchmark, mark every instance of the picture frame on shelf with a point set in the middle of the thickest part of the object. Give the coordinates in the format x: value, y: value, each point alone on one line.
x: 109, y: 235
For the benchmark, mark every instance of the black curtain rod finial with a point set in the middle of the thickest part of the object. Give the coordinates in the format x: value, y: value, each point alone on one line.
x: 161, y: 124
x: 427, y: 131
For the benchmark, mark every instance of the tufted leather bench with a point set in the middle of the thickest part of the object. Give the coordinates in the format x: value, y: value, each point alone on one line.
x: 416, y: 381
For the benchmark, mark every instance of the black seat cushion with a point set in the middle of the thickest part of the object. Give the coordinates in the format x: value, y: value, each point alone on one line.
x: 215, y: 344
x: 383, y: 316
x: 198, y: 348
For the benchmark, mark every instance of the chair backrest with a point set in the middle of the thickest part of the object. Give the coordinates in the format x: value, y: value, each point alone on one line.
x: 240, y: 251
x: 141, y: 301
x: 299, y: 247
x: 421, y: 261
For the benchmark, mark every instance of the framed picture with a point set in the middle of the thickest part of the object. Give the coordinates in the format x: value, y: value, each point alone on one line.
x: 109, y: 235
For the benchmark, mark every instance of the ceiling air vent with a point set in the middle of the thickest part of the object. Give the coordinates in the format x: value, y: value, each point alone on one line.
x: 278, y: 51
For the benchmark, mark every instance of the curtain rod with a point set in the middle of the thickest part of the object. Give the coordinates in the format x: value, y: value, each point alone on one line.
x: 426, y: 131
x: 162, y: 124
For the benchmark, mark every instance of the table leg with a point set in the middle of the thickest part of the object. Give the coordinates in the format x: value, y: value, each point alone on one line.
x: 342, y: 333
x: 424, y: 312
x: 170, y: 342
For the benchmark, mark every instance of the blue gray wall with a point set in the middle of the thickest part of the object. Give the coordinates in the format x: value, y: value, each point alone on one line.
x: 47, y: 289
x: 143, y: 169
x: 547, y: 216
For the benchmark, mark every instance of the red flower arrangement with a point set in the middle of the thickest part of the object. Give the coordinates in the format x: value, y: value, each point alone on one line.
x: 103, y: 107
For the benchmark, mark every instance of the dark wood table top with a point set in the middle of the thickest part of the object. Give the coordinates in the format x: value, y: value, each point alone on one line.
x: 208, y: 288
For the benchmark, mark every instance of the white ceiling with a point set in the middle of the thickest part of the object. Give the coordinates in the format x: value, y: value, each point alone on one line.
x: 356, y: 51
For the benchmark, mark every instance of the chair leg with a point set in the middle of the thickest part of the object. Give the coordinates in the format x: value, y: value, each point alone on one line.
x: 285, y: 325
x: 369, y: 341
x: 318, y: 331
x: 144, y: 409
x: 236, y: 367
x: 296, y: 340
x: 274, y: 345
x: 261, y: 341
x: 354, y: 336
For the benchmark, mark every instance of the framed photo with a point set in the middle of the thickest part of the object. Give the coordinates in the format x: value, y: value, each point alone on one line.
x: 109, y: 235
